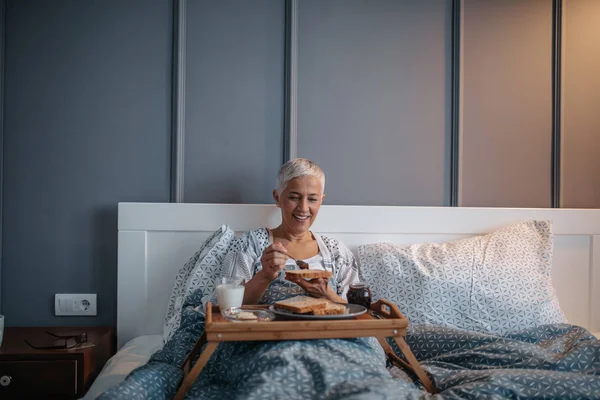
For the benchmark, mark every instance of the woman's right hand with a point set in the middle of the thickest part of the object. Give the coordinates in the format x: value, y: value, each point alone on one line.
x: 273, y: 260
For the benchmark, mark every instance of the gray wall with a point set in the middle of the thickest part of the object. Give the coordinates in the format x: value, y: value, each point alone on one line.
x: 374, y: 99
x: 87, y: 117
x: 234, y: 100
x: 581, y: 105
x: 87, y: 114
x: 506, y: 147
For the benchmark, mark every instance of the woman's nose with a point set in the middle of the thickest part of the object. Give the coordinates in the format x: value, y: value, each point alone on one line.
x: 303, y: 205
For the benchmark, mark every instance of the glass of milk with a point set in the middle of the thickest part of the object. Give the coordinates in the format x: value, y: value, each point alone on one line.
x: 230, y: 294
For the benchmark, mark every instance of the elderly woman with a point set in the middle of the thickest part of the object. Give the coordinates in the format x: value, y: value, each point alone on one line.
x: 260, y: 256
x: 289, y: 369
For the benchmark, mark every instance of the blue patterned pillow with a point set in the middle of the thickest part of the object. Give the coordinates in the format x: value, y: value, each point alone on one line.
x: 496, y: 283
x: 201, y: 271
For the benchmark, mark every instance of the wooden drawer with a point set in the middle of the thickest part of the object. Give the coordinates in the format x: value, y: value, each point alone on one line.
x: 39, y: 379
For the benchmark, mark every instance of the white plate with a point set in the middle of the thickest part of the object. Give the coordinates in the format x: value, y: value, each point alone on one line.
x: 352, y: 310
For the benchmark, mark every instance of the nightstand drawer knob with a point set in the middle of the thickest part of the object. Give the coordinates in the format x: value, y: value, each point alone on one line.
x: 5, y: 380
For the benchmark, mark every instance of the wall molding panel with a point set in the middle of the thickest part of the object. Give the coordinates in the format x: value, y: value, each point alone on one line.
x: 455, y: 103
x: 460, y: 108
x: 2, y: 29
x: 291, y: 81
x: 178, y: 105
x: 232, y: 139
x: 87, y: 123
x: 579, y: 142
x: 509, y: 100
x: 556, y: 99
x: 374, y: 98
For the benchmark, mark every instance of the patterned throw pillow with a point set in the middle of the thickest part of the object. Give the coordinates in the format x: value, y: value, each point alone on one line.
x: 496, y: 283
x: 201, y: 271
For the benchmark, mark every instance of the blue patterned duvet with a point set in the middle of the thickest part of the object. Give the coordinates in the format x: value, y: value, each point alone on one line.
x: 549, y: 362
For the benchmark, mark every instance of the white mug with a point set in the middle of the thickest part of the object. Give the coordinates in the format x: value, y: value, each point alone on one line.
x: 1, y: 328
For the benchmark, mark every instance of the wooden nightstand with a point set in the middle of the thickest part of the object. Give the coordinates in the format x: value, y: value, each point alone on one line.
x: 51, y: 374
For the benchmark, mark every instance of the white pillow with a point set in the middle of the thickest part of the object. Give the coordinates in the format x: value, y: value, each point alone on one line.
x: 496, y: 283
x: 201, y: 270
x: 132, y: 355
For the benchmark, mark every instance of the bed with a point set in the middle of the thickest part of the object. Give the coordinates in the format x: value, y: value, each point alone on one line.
x: 156, y: 240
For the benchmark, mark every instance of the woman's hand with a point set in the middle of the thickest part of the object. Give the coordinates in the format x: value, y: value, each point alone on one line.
x: 317, y: 287
x: 273, y: 261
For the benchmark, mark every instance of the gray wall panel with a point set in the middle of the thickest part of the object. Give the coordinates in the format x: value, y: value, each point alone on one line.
x: 234, y: 100
x: 580, y: 184
x: 507, y: 104
x: 87, y: 101
x: 374, y: 99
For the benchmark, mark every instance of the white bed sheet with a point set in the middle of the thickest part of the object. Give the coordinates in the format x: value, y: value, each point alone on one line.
x: 133, y: 354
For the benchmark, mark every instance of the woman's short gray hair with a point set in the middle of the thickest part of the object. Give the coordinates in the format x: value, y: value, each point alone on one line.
x: 296, y: 168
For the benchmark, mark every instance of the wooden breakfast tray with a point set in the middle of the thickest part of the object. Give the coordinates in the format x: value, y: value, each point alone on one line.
x: 383, y: 320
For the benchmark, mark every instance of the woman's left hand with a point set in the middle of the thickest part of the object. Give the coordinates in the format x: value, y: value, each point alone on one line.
x: 316, y: 287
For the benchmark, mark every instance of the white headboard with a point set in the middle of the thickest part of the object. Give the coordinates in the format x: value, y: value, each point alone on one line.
x: 156, y: 239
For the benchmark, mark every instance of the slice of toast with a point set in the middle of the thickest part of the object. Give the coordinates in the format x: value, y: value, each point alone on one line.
x: 331, y: 309
x: 246, y: 316
x: 301, y: 304
x: 308, y: 273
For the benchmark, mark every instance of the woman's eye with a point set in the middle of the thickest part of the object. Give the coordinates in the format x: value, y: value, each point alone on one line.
x: 313, y: 200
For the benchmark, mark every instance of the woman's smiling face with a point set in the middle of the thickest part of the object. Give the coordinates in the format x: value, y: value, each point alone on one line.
x: 300, y: 202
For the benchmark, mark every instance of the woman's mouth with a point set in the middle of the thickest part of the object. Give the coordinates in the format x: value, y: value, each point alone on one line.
x: 301, y: 218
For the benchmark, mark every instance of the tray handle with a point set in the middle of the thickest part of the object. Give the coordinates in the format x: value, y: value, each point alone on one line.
x: 386, y: 309
x: 209, y: 310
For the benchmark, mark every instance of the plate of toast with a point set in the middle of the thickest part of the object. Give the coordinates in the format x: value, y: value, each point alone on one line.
x: 305, y: 307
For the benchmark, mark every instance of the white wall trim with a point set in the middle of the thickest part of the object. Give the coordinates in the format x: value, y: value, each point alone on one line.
x: 178, y: 101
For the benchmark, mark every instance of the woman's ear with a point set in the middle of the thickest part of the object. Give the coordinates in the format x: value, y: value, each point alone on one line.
x: 276, y: 197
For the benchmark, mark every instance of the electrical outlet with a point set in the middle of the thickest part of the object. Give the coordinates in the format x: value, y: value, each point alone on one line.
x: 75, y: 304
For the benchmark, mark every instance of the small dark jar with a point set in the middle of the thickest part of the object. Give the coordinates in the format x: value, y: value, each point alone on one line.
x: 360, y: 293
